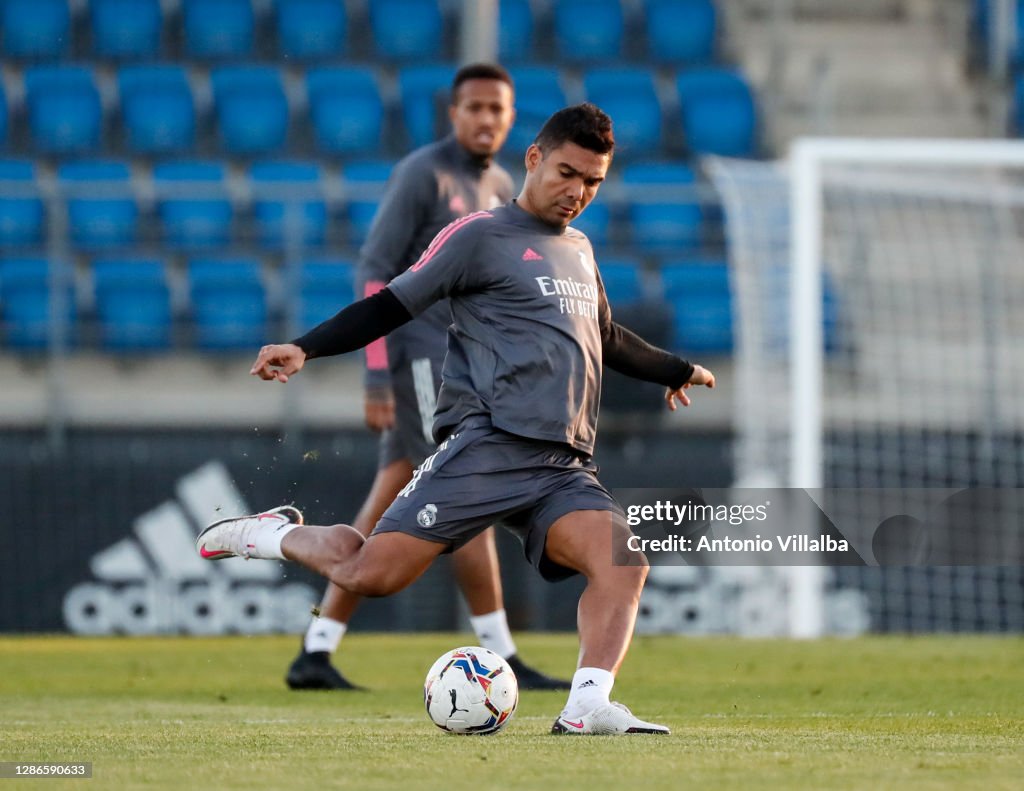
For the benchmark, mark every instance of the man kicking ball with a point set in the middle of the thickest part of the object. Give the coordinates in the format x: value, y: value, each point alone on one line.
x: 516, y: 416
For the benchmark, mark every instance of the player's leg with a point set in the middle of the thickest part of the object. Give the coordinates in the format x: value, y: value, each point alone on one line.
x: 585, y: 542
x: 405, y: 541
x: 479, y: 577
x: 475, y: 565
x: 380, y: 565
x: 338, y: 603
x: 593, y: 543
x: 312, y: 668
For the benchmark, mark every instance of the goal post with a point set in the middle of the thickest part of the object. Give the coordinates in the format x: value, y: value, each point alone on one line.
x: 879, y: 309
x: 808, y: 158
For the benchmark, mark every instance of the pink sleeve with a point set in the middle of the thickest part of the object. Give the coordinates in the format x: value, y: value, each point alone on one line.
x: 377, y: 351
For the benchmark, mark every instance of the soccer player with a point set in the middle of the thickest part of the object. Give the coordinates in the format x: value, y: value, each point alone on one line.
x: 430, y: 188
x: 516, y: 415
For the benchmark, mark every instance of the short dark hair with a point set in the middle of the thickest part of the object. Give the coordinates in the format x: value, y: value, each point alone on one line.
x: 479, y: 71
x: 586, y: 125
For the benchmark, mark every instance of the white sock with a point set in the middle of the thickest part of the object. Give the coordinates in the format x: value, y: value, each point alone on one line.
x: 267, y: 542
x: 324, y: 634
x: 591, y: 687
x: 493, y: 634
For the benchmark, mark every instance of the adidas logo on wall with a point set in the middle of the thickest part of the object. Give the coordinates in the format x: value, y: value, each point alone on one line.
x: 153, y: 582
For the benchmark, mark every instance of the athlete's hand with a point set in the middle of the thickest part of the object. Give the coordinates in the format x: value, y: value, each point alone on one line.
x: 278, y: 361
x: 379, y: 408
x: 700, y: 376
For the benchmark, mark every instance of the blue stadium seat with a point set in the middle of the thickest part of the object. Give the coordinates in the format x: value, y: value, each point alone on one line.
x: 1017, y: 56
x: 133, y: 304
x: 1017, y: 110
x: 980, y: 31
x: 346, y: 109
x: 22, y: 215
x: 3, y: 115
x: 628, y: 95
x: 663, y: 206
x: 26, y: 307
x: 407, y: 30
x: 539, y: 94
x: 37, y: 29
x: 229, y: 304
x: 426, y: 94
x: 980, y: 18
x: 101, y: 208
x: 623, y: 281
x: 218, y: 28
x: 515, y: 31
x: 280, y: 188
x: 64, y: 111
x: 595, y: 222
x: 326, y: 287
x: 157, y: 110
x: 125, y: 28
x: 588, y: 30
x: 699, y: 294
x: 831, y: 315
x: 718, y: 112
x: 681, y: 31
x: 775, y: 286
x: 251, y: 108
x: 193, y: 204
x: 311, y: 29
x: 364, y: 186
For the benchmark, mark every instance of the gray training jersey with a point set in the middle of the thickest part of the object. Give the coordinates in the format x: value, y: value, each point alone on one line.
x: 428, y: 189
x: 528, y: 306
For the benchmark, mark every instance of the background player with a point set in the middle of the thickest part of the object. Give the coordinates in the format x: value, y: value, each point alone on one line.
x: 517, y: 413
x: 429, y: 188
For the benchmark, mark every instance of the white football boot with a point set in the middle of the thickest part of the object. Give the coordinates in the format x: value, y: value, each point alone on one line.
x: 607, y: 719
x: 235, y: 537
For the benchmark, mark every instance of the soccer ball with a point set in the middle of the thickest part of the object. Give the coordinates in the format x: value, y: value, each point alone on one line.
x: 471, y: 690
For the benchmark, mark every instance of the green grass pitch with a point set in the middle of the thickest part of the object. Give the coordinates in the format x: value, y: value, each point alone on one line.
x: 177, y: 713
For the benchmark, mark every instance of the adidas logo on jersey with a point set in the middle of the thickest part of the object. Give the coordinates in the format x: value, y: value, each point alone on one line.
x: 532, y: 255
x: 152, y: 582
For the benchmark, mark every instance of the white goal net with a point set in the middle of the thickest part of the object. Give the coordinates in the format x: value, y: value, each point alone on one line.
x: 879, y: 293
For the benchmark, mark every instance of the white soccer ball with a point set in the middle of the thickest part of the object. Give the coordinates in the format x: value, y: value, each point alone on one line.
x: 471, y: 690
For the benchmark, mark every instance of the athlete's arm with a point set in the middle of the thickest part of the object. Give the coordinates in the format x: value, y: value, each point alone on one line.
x: 353, y: 327
x: 629, y: 354
x: 349, y: 329
x: 626, y: 352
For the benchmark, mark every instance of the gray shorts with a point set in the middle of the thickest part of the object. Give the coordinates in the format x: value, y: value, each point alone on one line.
x: 415, y: 387
x: 480, y: 476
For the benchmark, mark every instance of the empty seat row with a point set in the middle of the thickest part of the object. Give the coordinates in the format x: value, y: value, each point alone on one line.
x: 193, y: 203
x: 133, y: 303
x: 716, y: 108
x: 136, y: 29
x: 657, y: 206
x: 674, y: 31
x: 697, y: 293
x: 227, y: 304
x: 346, y: 108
